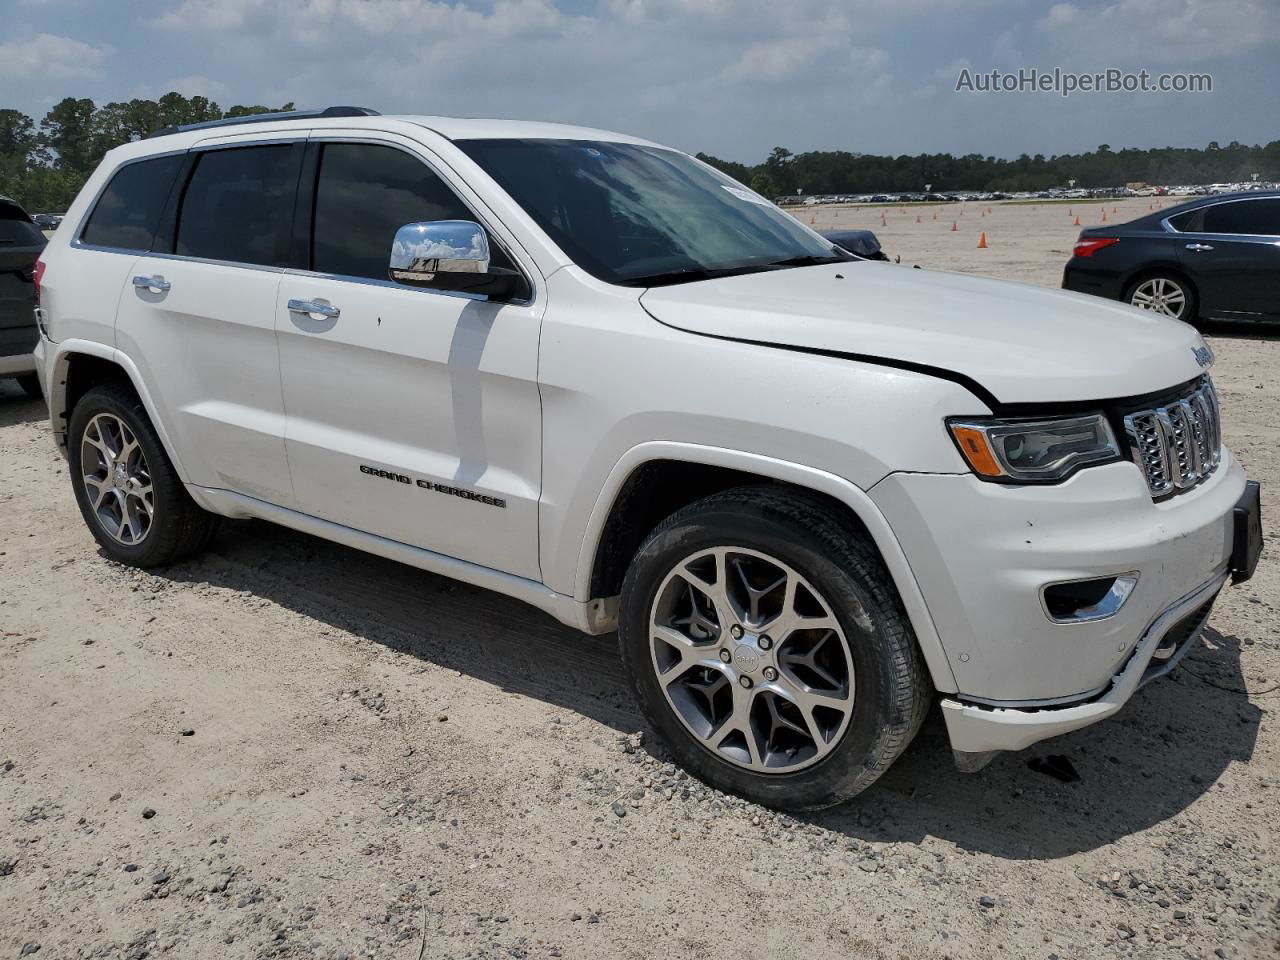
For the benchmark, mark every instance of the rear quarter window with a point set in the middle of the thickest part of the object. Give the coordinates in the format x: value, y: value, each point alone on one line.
x: 127, y: 214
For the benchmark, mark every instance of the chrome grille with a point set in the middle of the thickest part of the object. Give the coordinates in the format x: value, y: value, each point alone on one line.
x: 1179, y: 444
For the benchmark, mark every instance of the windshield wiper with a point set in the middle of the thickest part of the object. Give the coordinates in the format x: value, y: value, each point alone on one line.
x: 808, y: 260
x: 691, y: 274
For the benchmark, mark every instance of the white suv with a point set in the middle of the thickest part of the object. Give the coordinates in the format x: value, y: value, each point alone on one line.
x: 812, y: 493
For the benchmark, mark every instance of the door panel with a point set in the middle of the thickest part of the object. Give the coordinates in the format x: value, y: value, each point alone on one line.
x: 415, y: 415
x: 1238, y: 275
x: 1232, y: 250
x: 206, y: 349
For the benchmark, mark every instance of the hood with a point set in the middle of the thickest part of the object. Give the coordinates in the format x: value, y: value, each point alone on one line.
x: 1019, y: 343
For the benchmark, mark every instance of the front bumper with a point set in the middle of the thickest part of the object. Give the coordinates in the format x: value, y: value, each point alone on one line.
x: 979, y: 729
x: 982, y: 552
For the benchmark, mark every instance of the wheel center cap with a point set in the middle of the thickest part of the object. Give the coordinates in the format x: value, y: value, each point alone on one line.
x: 119, y: 477
x: 747, y: 657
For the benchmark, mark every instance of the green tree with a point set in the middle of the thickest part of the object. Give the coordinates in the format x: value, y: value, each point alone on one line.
x: 68, y: 129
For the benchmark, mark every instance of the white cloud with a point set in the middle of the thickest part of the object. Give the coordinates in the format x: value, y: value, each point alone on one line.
x: 1128, y: 32
x: 53, y: 57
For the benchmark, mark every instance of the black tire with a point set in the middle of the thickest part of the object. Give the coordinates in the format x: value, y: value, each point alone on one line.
x: 1190, y: 312
x: 179, y: 528
x: 891, y: 691
x: 30, y: 385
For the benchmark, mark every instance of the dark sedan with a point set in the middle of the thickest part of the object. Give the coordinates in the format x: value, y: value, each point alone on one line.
x: 21, y: 243
x: 1214, y: 258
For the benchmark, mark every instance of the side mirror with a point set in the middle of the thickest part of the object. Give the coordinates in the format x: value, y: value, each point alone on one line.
x: 434, y: 253
x: 452, y: 255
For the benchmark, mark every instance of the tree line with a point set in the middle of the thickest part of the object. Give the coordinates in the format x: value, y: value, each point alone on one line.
x: 43, y: 166
x: 837, y: 171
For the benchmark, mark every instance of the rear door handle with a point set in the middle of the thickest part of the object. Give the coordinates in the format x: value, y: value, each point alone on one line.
x: 1199, y: 247
x: 322, y: 308
x: 157, y: 283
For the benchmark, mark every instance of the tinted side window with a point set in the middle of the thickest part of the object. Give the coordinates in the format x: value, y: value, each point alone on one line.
x: 1190, y: 222
x: 1244, y: 216
x: 128, y: 212
x: 239, y: 205
x: 364, y: 194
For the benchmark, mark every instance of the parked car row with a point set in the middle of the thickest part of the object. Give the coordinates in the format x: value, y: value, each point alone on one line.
x: 47, y: 221
x: 1079, y: 193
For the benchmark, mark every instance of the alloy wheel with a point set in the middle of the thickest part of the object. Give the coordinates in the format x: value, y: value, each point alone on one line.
x: 752, y: 659
x: 1161, y: 295
x: 117, y: 479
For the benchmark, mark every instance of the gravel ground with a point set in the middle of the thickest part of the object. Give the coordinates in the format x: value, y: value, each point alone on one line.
x: 289, y: 749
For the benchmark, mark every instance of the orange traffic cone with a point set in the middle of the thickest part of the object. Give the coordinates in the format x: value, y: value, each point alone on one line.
x: 954, y: 228
x: 982, y: 241
x: 988, y: 209
x: 812, y: 220
x: 1077, y: 223
x: 1069, y: 213
x: 1113, y: 209
x: 935, y: 214
x: 1104, y: 216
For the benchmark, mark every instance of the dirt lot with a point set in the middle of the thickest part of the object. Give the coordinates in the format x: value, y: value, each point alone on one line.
x: 290, y: 749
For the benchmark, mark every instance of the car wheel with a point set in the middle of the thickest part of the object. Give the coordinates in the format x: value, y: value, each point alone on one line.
x: 130, y: 496
x: 1163, y: 293
x: 768, y: 647
x: 30, y: 385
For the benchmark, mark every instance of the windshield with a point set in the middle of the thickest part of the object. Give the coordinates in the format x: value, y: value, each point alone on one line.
x: 645, y: 216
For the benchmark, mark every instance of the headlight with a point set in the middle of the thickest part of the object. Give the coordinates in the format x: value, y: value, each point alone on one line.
x: 1034, y: 451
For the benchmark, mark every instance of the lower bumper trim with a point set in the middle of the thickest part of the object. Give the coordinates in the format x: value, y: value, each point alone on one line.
x: 980, y: 729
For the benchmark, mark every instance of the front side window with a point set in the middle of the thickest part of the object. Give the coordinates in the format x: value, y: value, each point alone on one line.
x: 1255, y: 217
x: 637, y: 215
x: 364, y: 194
x: 239, y: 205
x: 128, y: 212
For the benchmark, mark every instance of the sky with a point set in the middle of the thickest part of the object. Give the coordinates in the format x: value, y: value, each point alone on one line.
x: 733, y: 78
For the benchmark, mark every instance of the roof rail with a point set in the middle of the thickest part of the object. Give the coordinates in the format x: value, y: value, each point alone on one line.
x: 266, y: 117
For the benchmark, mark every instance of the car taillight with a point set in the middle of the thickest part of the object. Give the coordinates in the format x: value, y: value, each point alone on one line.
x: 36, y: 276
x: 1088, y: 246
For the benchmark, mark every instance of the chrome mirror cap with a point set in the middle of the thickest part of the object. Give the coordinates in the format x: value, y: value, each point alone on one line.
x: 420, y: 251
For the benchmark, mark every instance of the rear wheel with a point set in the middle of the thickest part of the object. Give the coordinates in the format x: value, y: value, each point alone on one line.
x: 1165, y: 293
x: 766, y: 644
x: 30, y: 385
x: 130, y: 496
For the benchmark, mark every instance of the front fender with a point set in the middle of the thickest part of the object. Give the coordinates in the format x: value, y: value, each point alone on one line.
x: 784, y: 471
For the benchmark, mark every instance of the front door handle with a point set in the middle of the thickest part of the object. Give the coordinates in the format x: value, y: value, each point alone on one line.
x: 322, y: 308
x: 157, y: 283
x: 1199, y: 247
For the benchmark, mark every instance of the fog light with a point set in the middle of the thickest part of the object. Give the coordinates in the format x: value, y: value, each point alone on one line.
x: 1080, y: 601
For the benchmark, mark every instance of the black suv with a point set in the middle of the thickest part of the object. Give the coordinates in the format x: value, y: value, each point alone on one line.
x: 20, y: 245
x: 1214, y: 258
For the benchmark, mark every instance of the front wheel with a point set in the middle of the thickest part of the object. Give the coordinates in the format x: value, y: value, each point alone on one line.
x: 767, y: 646
x: 130, y: 495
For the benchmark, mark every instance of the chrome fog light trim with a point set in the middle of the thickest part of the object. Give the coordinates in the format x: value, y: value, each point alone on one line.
x: 1107, y: 606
